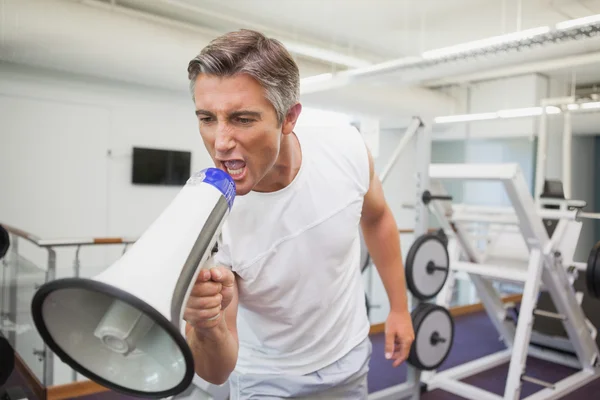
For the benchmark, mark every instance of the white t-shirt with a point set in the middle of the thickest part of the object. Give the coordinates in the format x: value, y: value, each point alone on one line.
x: 296, y: 252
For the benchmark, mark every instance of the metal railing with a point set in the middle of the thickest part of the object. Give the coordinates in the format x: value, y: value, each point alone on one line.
x: 13, y: 266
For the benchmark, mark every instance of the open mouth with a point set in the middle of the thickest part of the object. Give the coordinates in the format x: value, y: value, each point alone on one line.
x: 235, y: 168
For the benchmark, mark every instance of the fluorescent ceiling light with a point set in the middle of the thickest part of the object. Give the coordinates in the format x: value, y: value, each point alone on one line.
x: 368, y: 69
x: 491, y: 41
x: 317, y: 78
x: 520, y: 112
x: 514, y: 113
x: 465, y: 118
x: 591, y: 19
x: 326, y: 55
x: 384, y: 66
x: 553, y: 110
x: 591, y: 106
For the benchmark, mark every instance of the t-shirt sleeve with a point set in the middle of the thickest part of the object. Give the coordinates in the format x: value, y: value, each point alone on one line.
x: 359, y: 157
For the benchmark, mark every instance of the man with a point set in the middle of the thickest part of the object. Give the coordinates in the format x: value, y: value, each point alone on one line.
x: 282, y: 313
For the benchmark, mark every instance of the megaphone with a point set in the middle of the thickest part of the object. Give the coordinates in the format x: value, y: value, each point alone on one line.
x: 123, y: 328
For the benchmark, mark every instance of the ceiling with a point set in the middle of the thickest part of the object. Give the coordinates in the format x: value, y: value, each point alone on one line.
x: 374, y: 30
x: 150, y: 42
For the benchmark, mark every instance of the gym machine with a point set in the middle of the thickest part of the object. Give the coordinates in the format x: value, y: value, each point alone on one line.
x: 525, y: 244
x: 427, y: 266
x: 519, y: 249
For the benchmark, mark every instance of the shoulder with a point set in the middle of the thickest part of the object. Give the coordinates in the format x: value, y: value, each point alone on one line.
x: 340, y: 146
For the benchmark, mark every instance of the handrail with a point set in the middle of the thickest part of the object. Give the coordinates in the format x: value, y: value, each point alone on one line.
x: 50, y: 246
x: 66, y: 241
x: 21, y: 233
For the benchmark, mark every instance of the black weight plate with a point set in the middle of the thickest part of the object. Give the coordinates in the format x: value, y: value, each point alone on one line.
x: 421, y: 283
x: 431, y: 321
x: 7, y: 360
x: 592, y: 273
x: 4, y: 241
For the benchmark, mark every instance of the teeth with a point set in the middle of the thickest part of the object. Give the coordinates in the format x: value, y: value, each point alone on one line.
x: 235, y: 171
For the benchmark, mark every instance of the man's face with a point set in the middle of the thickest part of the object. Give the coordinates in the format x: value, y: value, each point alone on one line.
x: 239, y: 127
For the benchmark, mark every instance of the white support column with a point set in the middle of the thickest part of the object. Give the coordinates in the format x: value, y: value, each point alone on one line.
x: 567, y: 152
x: 422, y: 179
x: 542, y: 150
x: 523, y: 333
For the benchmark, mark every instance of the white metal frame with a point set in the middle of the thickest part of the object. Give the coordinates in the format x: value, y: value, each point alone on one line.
x: 545, y: 269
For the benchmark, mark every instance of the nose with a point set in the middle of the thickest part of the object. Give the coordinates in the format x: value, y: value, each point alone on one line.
x: 224, y: 141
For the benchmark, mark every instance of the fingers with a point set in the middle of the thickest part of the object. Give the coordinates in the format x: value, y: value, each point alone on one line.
x: 209, y: 297
x: 390, y: 338
x: 203, y: 275
x: 402, y: 354
x: 396, y: 348
x: 223, y: 276
x: 202, y: 318
x: 206, y: 288
x: 205, y: 302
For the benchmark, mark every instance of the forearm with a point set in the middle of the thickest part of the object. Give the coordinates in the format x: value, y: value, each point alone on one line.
x: 383, y: 241
x: 215, y: 355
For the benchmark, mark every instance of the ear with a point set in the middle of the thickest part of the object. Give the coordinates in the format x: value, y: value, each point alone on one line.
x: 290, y: 119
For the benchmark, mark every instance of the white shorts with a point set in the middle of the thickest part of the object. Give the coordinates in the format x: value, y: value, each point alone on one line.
x: 344, y: 379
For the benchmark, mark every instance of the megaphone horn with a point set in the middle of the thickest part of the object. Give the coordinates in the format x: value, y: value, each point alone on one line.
x: 122, y: 328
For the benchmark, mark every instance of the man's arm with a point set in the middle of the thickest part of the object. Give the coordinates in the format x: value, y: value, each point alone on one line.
x: 214, y: 342
x: 383, y: 242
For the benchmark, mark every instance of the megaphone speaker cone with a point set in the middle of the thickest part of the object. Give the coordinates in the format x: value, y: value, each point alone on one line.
x: 120, y: 341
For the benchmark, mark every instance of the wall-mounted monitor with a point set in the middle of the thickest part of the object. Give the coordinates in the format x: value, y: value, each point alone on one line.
x: 160, y: 167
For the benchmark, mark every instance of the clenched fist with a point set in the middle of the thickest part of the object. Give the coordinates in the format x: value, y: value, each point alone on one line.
x: 210, y: 295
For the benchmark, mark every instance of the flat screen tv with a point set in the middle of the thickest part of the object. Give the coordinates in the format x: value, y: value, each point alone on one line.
x: 160, y: 167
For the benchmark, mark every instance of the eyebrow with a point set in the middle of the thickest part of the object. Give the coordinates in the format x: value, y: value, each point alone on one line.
x: 234, y: 114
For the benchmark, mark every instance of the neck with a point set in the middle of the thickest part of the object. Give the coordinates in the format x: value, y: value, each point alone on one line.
x: 285, y: 168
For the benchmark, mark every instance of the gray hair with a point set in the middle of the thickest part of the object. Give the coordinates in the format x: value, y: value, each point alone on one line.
x: 250, y: 52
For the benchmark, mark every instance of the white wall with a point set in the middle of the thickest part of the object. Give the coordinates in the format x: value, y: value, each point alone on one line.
x: 57, y: 177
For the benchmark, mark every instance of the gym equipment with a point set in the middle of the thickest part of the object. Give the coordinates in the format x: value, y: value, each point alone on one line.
x: 426, y: 269
x: 426, y: 266
x: 7, y: 360
x: 549, y: 332
x: 124, y: 328
x: 519, y: 250
x: 4, y: 242
x: 593, y: 272
x: 434, y: 334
